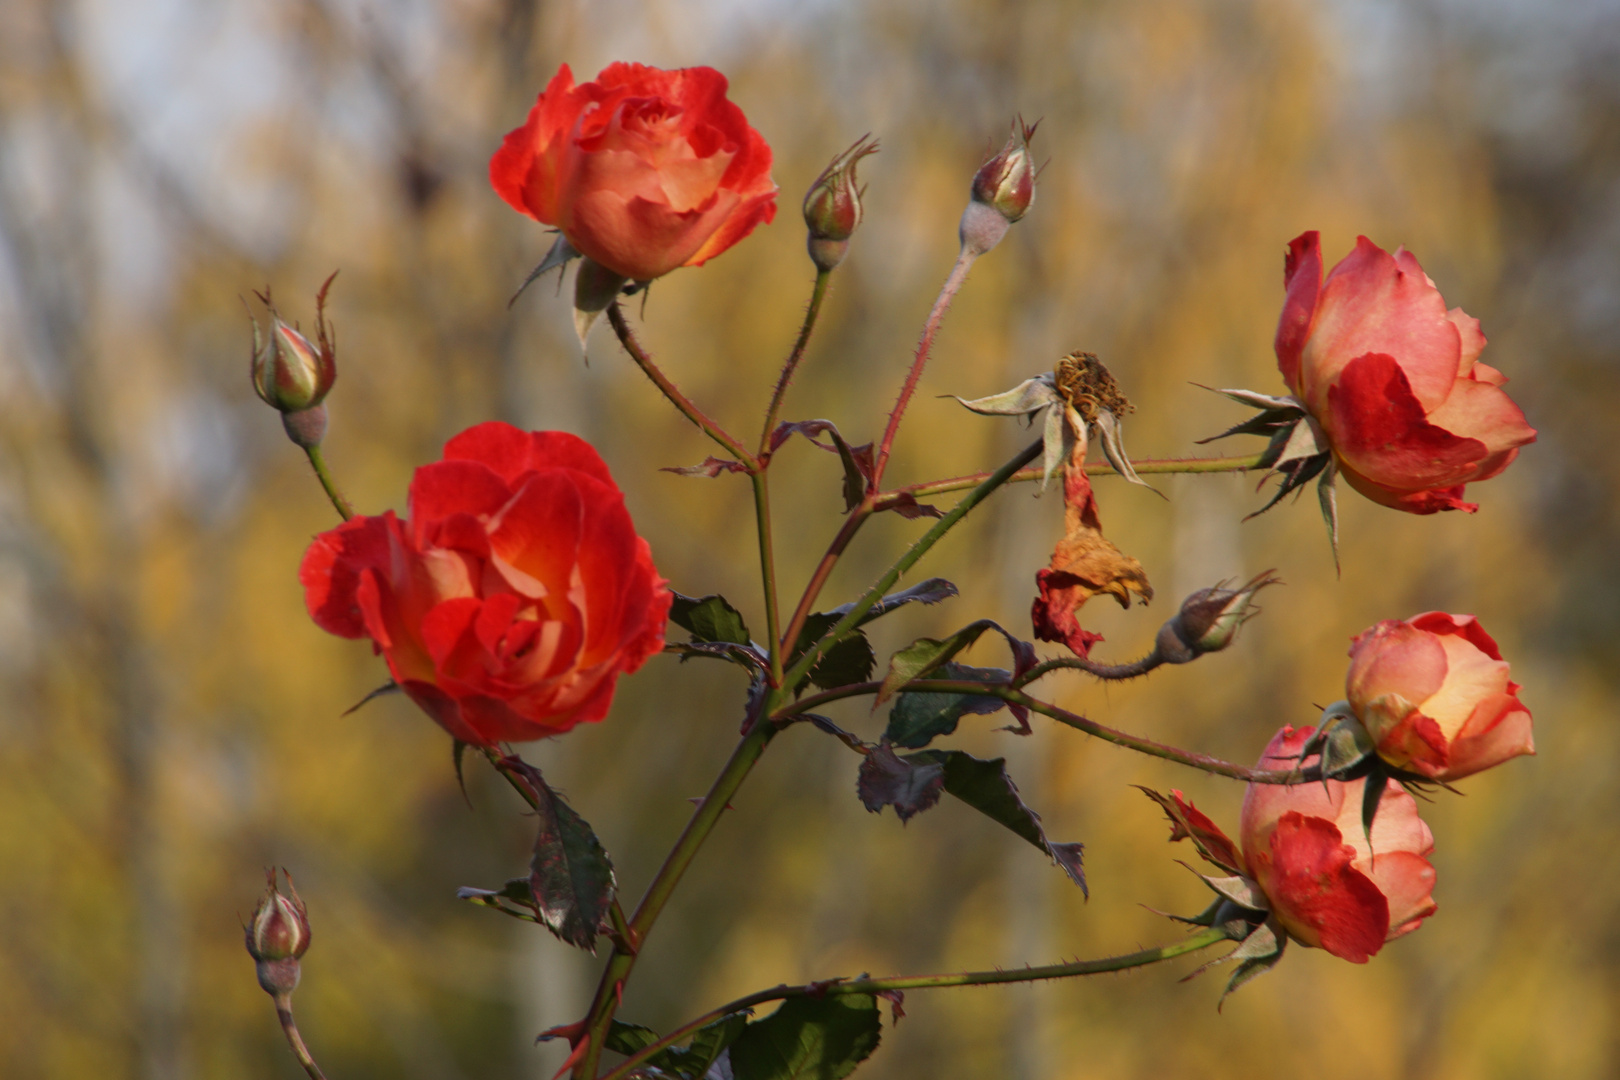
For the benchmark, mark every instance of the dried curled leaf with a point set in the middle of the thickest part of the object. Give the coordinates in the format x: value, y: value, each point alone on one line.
x: 1084, y: 564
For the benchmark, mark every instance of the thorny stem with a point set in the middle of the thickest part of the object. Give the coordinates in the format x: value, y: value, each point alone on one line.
x: 1097, y: 468
x: 767, y: 569
x: 947, y: 293
x: 317, y: 461
x: 846, y: 533
x: 909, y: 559
x: 619, y: 965
x: 295, y: 1040
x: 1203, y: 762
x: 627, y: 338
x: 842, y: 987
x: 818, y: 294
x: 1112, y: 672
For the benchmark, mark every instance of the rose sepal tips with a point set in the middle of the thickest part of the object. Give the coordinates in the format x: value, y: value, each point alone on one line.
x: 292, y: 374
x: 833, y: 208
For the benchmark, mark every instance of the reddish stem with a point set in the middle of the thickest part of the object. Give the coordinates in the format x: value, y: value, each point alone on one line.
x: 953, y: 285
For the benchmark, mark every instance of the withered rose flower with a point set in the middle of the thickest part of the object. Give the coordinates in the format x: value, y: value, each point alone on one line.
x: 513, y: 597
x: 1434, y: 694
x: 1393, y: 378
x: 1305, y: 846
x: 643, y: 170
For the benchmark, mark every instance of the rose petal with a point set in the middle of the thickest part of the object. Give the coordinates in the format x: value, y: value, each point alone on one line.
x: 1378, y: 427
x: 1318, y: 896
x: 1302, y: 280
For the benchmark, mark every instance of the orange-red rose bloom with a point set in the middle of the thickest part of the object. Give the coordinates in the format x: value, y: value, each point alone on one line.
x: 1393, y: 378
x: 1434, y: 694
x: 514, y: 596
x: 1305, y: 846
x: 643, y: 170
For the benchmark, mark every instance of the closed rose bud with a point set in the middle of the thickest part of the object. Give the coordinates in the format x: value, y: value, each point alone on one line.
x: 832, y: 207
x: 1328, y: 883
x: 1433, y: 693
x: 278, y: 936
x: 289, y: 373
x: 1209, y: 619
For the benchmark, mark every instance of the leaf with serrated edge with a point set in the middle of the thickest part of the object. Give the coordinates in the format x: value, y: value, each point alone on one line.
x: 986, y: 786
x: 887, y: 780
x: 848, y: 661
x: 709, y: 618
x: 1026, y: 397
x: 570, y: 874
x: 926, y: 654
x: 931, y: 591
x: 623, y: 1038
x: 809, y: 1039
x: 920, y: 717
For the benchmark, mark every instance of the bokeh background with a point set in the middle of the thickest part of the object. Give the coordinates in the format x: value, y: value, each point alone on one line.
x: 171, y: 722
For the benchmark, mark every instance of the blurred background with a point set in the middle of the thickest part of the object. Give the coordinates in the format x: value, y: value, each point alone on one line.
x: 171, y: 722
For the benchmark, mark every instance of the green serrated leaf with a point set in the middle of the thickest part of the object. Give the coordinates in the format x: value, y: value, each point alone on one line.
x: 709, y: 618
x: 708, y: 1043
x: 849, y: 661
x: 809, y: 1039
x: 986, y: 786
x: 919, y: 718
x: 623, y: 1038
x: 925, y: 654
x: 570, y: 874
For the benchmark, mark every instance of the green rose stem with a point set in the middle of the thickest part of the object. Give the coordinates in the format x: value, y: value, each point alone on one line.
x: 947, y: 293
x: 747, y: 752
x: 1098, y: 468
x: 817, y: 295
x: 621, y: 327
x: 1202, y: 762
x: 289, y: 1028
x: 317, y: 461
x: 839, y: 988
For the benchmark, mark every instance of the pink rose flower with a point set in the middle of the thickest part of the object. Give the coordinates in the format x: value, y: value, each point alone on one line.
x: 1393, y: 378
x: 1434, y: 694
x: 643, y: 170
x: 1305, y: 847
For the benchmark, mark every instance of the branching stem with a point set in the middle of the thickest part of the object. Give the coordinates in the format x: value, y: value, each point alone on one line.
x: 817, y: 295
x: 627, y: 338
x: 841, y: 987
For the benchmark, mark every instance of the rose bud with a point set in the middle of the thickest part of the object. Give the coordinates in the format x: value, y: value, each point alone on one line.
x: 1393, y: 378
x: 1003, y: 191
x: 1209, y: 619
x: 1433, y: 693
x: 1328, y: 883
x: 643, y: 170
x: 832, y: 206
x: 513, y: 597
x: 278, y: 936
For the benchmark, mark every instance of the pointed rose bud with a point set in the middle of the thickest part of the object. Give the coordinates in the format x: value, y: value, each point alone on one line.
x: 1003, y: 191
x: 278, y: 936
x: 832, y: 207
x: 293, y: 375
x: 1209, y: 619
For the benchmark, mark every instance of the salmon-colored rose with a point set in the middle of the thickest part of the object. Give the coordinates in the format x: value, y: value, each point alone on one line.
x: 1434, y: 694
x: 513, y: 597
x: 1393, y: 378
x: 643, y: 170
x: 1305, y: 846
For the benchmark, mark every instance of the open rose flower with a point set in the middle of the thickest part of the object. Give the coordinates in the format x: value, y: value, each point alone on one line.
x: 1434, y: 694
x: 513, y: 597
x: 1393, y: 378
x: 1305, y: 846
x: 1305, y: 862
x: 643, y: 170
